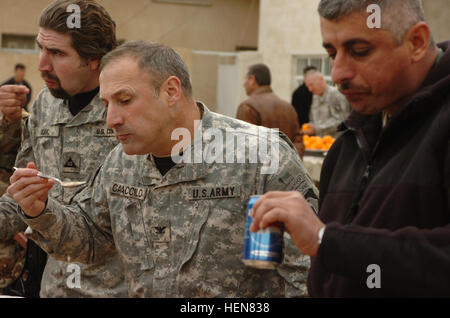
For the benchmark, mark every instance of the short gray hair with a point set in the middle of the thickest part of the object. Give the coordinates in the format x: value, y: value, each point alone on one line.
x: 159, y: 60
x: 398, y: 16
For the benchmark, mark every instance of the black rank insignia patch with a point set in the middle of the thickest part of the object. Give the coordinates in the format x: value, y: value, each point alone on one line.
x: 160, y: 231
x: 71, y: 162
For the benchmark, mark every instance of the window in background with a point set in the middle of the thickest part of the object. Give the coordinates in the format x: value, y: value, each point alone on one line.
x: 322, y: 63
x: 19, y: 43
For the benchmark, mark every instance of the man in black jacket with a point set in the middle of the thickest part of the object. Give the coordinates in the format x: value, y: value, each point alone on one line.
x: 19, y: 79
x: 384, y: 221
x: 302, y: 99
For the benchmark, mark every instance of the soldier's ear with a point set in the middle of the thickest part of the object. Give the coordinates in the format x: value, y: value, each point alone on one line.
x: 94, y: 64
x: 172, y: 90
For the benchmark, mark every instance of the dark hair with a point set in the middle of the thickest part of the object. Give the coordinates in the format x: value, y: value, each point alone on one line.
x: 19, y: 66
x: 97, y: 33
x: 159, y: 60
x: 309, y: 68
x: 261, y: 73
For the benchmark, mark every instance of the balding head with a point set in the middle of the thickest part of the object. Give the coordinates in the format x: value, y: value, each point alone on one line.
x: 316, y: 83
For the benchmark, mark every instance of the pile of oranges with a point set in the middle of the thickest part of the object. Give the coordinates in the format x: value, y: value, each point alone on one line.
x: 316, y: 142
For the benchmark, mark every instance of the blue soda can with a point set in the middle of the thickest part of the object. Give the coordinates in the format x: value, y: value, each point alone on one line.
x: 263, y: 249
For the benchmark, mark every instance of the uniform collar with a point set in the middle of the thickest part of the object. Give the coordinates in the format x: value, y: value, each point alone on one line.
x: 95, y: 111
x: 181, y: 172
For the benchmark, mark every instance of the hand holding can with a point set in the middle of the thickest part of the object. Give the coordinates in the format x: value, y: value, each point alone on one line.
x: 262, y: 249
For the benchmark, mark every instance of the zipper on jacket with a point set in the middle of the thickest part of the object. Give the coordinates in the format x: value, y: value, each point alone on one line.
x: 369, y: 157
x: 354, y: 207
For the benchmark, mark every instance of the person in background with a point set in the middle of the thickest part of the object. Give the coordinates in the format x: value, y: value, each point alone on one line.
x: 264, y: 108
x: 329, y: 107
x: 19, y: 79
x: 302, y: 99
x: 13, y: 250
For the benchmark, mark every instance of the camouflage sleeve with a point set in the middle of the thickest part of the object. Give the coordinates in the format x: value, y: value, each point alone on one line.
x: 81, y: 231
x: 9, y: 137
x: 26, y: 153
x: 331, y: 124
x: 292, y: 176
x: 10, y: 222
x: 339, y: 108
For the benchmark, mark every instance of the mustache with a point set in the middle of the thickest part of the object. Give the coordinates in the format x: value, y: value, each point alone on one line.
x: 47, y: 75
x: 348, y: 86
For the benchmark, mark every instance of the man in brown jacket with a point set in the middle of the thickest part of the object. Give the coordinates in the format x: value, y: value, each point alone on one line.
x: 264, y: 108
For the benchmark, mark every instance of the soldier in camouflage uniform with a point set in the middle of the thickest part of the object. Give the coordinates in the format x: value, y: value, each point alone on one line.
x: 12, y: 254
x: 179, y: 231
x: 9, y: 146
x: 66, y: 135
x: 329, y: 107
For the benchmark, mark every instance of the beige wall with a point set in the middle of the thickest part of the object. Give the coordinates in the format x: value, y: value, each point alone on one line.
x: 220, y: 27
x: 218, y: 78
x: 204, y: 78
x: 437, y: 13
x: 287, y: 28
x: 223, y: 26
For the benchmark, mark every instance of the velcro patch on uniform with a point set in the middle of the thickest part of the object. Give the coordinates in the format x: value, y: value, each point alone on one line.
x: 104, y: 131
x: 71, y: 162
x: 52, y: 131
x: 216, y: 192
x: 160, y: 231
x: 128, y: 191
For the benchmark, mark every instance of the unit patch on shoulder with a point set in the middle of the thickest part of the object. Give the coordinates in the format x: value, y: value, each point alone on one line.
x: 71, y: 162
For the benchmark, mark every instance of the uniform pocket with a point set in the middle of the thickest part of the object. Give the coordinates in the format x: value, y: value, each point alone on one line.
x: 131, y: 238
x: 212, y: 266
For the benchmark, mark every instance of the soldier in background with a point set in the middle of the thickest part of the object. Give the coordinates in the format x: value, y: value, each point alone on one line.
x: 329, y: 107
x: 12, y: 252
x: 178, y: 226
x: 9, y: 146
x: 65, y: 136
